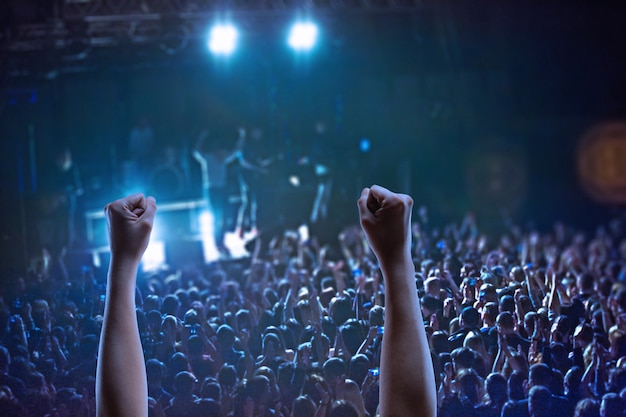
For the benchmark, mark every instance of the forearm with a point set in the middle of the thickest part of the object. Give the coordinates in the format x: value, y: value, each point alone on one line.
x: 301, y: 263
x: 442, y: 393
x: 249, y: 372
x: 339, y: 281
x: 598, y: 383
x: 407, y: 379
x: 316, y: 310
x: 535, y: 300
x: 563, y: 297
x: 510, y: 361
x: 347, y: 254
x: 121, y: 376
x: 23, y: 337
x: 607, y: 320
x: 321, y: 410
x: 198, y: 157
x: 498, y: 362
x: 519, y: 315
x: 363, y: 347
x: 588, y: 377
x: 58, y: 354
x: 288, y: 312
x: 456, y: 291
x: 554, y: 304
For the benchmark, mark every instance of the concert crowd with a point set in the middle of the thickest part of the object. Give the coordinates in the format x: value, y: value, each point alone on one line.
x: 527, y: 323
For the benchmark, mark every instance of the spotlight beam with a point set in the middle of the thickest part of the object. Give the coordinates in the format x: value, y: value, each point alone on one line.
x: 303, y: 36
x: 223, y: 39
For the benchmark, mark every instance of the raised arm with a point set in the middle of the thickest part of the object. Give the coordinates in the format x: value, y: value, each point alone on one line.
x: 407, y: 383
x: 197, y: 148
x: 121, y: 385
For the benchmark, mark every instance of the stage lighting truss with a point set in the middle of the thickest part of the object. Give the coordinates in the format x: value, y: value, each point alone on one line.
x: 73, y: 9
x: 109, y: 23
x: 175, y: 38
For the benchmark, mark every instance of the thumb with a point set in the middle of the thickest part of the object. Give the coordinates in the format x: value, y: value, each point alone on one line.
x: 364, y: 210
x: 138, y: 205
x: 134, y: 201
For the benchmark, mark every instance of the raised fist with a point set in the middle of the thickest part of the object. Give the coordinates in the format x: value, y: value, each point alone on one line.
x: 386, y: 219
x: 130, y: 221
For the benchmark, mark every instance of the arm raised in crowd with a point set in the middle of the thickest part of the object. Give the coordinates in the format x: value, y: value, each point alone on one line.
x: 121, y: 387
x: 407, y: 384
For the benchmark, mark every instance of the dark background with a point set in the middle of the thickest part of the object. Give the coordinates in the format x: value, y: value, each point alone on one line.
x: 475, y: 106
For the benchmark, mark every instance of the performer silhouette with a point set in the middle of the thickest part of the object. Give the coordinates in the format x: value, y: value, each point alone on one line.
x: 213, y: 160
x: 248, y: 175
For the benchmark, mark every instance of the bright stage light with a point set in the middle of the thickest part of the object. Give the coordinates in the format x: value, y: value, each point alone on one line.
x: 208, y: 242
x: 303, y: 36
x: 294, y: 180
x: 223, y: 39
x: 154, y: 256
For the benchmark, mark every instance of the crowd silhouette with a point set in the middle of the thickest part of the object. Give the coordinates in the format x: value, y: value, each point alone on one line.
x: 527, y: 323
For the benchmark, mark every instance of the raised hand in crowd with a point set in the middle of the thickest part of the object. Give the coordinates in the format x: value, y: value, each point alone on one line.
x: 407, y: 385
x: 121, y: 387
x: 300, y: 290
